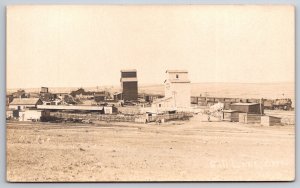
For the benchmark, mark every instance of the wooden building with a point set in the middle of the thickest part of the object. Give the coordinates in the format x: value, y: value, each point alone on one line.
x: 129, y: 84
x: 249, y: 118
x: 270, y: 120
x: 231, y: 115
x: 249, y: 108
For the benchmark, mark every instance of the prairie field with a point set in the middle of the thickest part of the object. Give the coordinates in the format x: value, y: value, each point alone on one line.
x: 194, y: 150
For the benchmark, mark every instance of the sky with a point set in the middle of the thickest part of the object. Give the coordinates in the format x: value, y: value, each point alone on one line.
x: 85, y: 46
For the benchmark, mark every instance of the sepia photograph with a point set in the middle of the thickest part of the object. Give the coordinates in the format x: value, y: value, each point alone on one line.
x: 150, y: 93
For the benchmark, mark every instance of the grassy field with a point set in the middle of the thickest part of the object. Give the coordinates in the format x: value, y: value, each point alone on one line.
x: 177, y: 151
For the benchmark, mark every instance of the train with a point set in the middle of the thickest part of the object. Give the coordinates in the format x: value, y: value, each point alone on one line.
x: 269, y: 104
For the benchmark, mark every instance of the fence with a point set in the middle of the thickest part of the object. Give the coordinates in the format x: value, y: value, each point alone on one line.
x: 169, y: 117
x: 124, y: 118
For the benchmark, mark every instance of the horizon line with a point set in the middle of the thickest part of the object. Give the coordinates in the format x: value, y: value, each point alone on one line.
x: 149, y: 84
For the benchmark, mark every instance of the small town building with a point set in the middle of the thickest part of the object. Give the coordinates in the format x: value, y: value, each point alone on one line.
x: 270, y: 120
x: 249, y: 108
x: 231, y: 115
x: 25, y: 103
x: 32, y: 115
x: 117, y: 96
x: 100, y: 97
x: 249, y: 118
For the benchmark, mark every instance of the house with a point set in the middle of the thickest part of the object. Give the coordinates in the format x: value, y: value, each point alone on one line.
x: 129, y: 84
x: 25, y: 103
x: 249, y: 108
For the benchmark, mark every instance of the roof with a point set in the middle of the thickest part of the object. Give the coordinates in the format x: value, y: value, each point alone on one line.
x: 230, y: 111
x: 100, y: 95
x: 161, y: 100
x: 57, y: 93
x: 176, y: 71
x: 272, y: 117
x: 128, y: 70
x: 25, y: 101
x: 244, y: 104
x: 71, y: 107
x: 129, y: 80
x: 117, y: 93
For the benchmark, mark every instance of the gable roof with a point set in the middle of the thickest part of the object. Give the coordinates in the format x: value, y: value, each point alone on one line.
x: 25, y: 101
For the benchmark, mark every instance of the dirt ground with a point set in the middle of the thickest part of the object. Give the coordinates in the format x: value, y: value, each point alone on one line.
x: 178, y: 151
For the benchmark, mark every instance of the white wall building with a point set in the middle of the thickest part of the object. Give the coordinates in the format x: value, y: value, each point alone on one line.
x: 177, y: 90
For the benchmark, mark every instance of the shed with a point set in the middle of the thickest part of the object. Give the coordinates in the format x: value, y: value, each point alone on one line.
x: 231, y: 115
x: 270, y: 120
x: 100, y: 97
x: 30, y: 115
x: 249, y: 108
x: 249, y: 118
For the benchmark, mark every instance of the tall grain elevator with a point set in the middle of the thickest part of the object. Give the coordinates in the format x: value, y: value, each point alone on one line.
x: 129, y: 84
x: 178, y: 88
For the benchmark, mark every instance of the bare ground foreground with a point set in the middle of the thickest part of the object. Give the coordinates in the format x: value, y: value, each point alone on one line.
x: 190, y: 151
